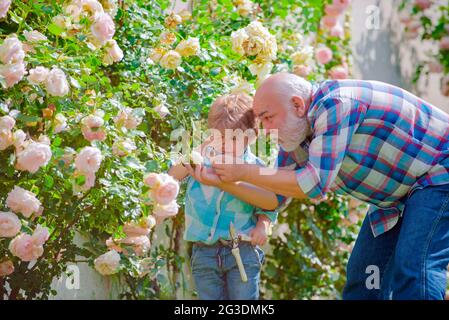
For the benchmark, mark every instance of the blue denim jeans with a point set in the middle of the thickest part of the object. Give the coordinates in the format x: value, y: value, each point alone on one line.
x: 217, y: 277
x: 411, y: 259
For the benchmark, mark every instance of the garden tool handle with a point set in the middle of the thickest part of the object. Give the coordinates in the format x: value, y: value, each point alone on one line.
x: 238, y: 260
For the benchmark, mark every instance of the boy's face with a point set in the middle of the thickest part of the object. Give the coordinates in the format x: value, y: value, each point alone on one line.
x: 231, y: 142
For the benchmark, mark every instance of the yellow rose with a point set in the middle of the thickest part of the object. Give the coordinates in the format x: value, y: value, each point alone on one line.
x: 256, y: 29
x: 171, y: 60
x: 172, y: 20
x: 189, y: 47
x: 167, y: 38
x: 238, y: 39
x: 157, y: 54
x: 254, y: 45
x: 302, y: 56
x: 269, y: 48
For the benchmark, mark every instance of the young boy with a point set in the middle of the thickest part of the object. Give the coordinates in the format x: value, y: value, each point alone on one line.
x: 211, y: 206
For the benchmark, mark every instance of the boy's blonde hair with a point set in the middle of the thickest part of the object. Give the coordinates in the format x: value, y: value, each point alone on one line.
x: 232, y: 111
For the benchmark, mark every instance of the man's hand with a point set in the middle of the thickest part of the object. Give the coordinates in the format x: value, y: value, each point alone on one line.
x: 229, y: 169
x: 204, y: 175
x: 259, y: 235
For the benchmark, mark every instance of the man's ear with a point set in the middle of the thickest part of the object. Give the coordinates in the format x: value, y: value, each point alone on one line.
x: 300, y: 106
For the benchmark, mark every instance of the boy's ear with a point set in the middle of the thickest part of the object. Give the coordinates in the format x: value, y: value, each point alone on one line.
x: 299, y: 105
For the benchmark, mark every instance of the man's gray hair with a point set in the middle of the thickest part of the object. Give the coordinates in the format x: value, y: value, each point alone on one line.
x: 293, y: 85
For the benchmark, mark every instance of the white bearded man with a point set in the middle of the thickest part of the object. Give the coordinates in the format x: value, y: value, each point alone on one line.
x: 379, y: 144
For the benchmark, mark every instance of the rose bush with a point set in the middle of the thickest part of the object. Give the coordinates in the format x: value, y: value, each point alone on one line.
x: 93, y: 93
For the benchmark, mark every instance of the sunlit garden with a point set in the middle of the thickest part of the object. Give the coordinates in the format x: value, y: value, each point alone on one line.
x: 104, y: 110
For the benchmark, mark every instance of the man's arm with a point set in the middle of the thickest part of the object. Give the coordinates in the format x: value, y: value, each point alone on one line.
x: 280, y: 181
x: 247, y: 192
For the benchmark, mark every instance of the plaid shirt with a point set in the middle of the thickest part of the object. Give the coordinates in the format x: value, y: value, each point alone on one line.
x: 373, y: 141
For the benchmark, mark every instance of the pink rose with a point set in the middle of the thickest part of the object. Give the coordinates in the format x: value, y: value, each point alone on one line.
x: 444, y: 43
x: 333, y: 10
x: 88, y: 160
x: 140, y: 244
x: 24, y: 247
x: 4, y: 7
x: 167, y: 190
x: 56, y: 83
x: 152, y: 180
x: 164, y: 211
x: 113, y: 53
x: 126, y: 118
x: 329, y: 22
x: 6, y: 139
x: 91, y: 127
x: 6, y: 267
x: 302, y: 70
x: 123, y: 147
x: 423, y: 4
x: 337, y: 31
x: 103, y: 28
x: 11, y: 51
x: 113, y: 245
x: 435, y: 67
x: 133, y: 229
x: 7, y: 122
x: 40, y: 235
x: 323, y: 55
x: 338, y: 72
x: 342, y: 4
x: 108, y: 263
x: 23, y: 201
x: 38, y: 75
x: 33, y: 156
x: 88, y: 183
x: 12, y: 73
x: 19, y: 138
x: 9, y: 225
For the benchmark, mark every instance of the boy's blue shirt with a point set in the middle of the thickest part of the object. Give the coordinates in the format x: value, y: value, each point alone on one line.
x: 210, y: 210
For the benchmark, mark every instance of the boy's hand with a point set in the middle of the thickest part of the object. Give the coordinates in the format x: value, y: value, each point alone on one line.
x: 259, y: 235
x: 204, y: 175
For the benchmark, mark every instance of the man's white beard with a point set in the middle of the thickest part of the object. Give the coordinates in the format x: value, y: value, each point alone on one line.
x: 293, y: 132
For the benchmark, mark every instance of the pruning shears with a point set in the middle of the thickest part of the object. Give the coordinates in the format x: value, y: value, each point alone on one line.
x: 235, y: 239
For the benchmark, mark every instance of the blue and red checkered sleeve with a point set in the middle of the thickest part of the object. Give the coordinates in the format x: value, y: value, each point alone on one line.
x: 334, y: 121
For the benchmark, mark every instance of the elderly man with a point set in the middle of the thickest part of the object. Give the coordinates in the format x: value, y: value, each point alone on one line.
x: 379, y: 144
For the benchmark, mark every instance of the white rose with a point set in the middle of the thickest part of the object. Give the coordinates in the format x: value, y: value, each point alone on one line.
x: 38, y: 75
x: 12, y: 73
x: 171, y: 60
x: 11, y: 51
x: 56, y: 83
x: 189, y: 47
